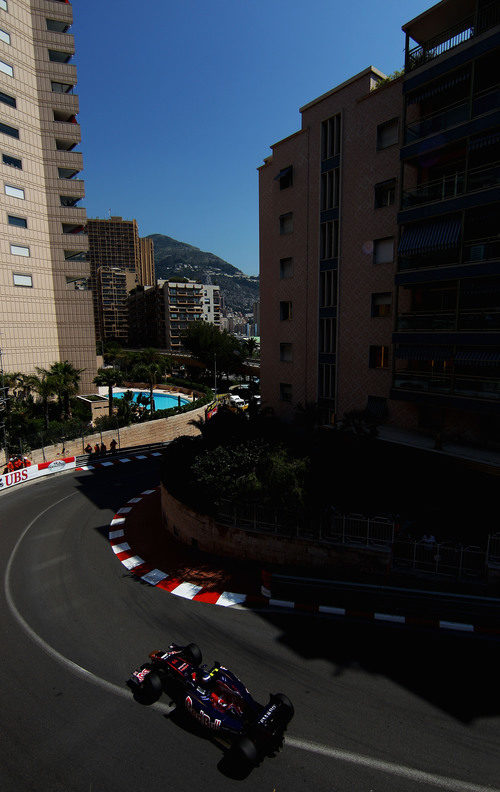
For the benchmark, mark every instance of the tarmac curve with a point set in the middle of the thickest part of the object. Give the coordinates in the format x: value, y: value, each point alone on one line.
x: 370, y: 714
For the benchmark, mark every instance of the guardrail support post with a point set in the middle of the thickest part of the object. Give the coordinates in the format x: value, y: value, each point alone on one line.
x: 343, y: 529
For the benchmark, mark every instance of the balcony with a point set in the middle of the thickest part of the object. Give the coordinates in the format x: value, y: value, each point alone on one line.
x: 449, y: 321
x: 466, y: 386
x: 464, y: 30
x: 451, y: 186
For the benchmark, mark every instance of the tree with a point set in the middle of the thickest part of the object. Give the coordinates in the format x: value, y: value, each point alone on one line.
x: 45, y: 387
x: 66, y: 379
x: 212, y: 347
x: 109, y: 377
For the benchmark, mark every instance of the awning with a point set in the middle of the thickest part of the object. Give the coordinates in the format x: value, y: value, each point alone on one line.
x: 434, y: 90
x: 423, y: 353
x: 283, y: 173
x: 485, y: 140
x: 477, y: 357
x: 439, y: 235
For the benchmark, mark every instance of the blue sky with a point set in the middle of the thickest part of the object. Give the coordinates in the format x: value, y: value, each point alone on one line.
x: 178, y: 108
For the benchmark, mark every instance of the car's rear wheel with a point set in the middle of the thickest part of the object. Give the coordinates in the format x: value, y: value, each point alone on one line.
x: 244, y: 752
x: 286, y: 703
x: 192, y: 654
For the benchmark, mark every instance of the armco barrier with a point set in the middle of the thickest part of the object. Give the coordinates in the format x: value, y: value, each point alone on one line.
x: 23, y: 475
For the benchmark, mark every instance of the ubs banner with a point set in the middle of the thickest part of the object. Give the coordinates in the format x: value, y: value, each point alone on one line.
x: 35, y: 471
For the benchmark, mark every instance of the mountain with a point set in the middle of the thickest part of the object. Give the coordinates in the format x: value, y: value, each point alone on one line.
x: 178, y: 259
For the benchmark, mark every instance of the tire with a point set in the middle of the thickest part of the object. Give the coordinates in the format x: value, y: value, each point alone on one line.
x: 244, y: 752
x: 153, y: 687
x: 192, y: 654
x: 286, y: 703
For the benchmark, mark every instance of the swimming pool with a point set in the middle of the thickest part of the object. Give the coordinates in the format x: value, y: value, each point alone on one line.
x: 162, y: 400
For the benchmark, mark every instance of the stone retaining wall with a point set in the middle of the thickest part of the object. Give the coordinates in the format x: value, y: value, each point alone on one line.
x: 207, y: 535
x: 160, y: 431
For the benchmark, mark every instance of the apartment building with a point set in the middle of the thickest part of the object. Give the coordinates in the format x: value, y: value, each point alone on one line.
x: 44, y: 279
x: 447, y: 334
x: 115, y: 244
x: 159, y: 316
x: 112, y: 286
x: 328, y: 222
x: 379, y: 228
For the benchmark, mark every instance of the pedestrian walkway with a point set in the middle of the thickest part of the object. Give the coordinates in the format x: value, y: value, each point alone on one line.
x: 484, y: 456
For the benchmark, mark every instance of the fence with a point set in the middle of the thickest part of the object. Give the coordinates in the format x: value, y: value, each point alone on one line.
x: 330, y: 528
x: 493, y: 551
x: 440, y: 558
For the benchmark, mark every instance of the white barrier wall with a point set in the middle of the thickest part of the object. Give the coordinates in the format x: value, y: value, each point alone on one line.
x: 35, y: 471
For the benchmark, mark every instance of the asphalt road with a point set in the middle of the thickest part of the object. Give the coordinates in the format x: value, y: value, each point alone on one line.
x: 378, y: 708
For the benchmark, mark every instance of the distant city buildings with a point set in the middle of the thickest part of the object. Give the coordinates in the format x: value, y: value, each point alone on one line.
x: 44, y: 287
x: 379, y: 225
x: 115, y: 246
x: 159, y: 315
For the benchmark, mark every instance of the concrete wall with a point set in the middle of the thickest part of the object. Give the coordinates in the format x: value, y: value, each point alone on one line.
x: 187, y: 525
x: 162, y: 430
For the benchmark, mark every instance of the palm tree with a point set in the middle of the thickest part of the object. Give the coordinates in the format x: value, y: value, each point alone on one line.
x: 152, y: 373
x: 66, y: 379
x: 44, y: 385
x: 109, y: 377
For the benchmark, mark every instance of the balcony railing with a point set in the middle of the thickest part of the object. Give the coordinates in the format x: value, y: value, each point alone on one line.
x: 488, y: 17
x: 437, y: 122
x: 481, y: 250
x: 476, y: 387
x: 452, y: 185
x: 466, y: 320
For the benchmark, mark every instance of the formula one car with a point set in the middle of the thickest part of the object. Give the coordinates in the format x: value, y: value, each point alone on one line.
x: 216, y: 699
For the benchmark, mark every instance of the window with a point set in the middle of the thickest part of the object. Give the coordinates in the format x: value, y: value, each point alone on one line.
x: 3, y: 5
x: 20, y: 222
x: 4, y: 36
x: 23, y: 280
x: 56, y: 56
x: 329, y: 240
x: 285, y: 392
x: 330, y: 189
x: 14, y: 192
x: 379, y: 357
x: 75, y: 255
x: 381, y: 304
x: 388, y: 133
x: 61, y: 87
x: 285, y: 177
x: 286, y: 353
x: 8, y: 100
x: 286, y: 223
x: 6, y: 68
x: 77, y: 283
x: 385, y: 193
x: 327, y: 380
x: 286, y: 268
x: 383, y: 250
x: 56, y: 26
x: 327, y: 335
x: 19, y: 250
x: 328, y: 288
x: 285, y: 311
x: 330, y: 137
x: 8, y: 130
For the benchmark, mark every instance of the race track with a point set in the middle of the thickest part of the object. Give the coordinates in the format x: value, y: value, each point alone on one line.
x: 378, y: 708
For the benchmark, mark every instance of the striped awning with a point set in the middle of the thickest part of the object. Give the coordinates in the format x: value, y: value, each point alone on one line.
x: 484, y: 140
x: 410, y: 352
x: 477, y: 357
x: 434, y: 90
x: 421, y: 238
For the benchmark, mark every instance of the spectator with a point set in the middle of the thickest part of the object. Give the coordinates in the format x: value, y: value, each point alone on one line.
x: 10, y: 465
x: 18, y: 463
x: 88, y: 448
x: 96, y: 449
x: 429, y: 540
x: 26, y: 462
x: 103, y: 449
x: 112, y: 446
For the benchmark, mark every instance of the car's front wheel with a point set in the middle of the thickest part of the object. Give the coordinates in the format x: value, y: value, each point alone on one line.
x: 192, y: 653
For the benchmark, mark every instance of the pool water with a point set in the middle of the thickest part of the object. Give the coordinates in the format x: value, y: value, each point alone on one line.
x: 162, y: 400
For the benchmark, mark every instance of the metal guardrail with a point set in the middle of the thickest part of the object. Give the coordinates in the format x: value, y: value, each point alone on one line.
x: 440, y: 558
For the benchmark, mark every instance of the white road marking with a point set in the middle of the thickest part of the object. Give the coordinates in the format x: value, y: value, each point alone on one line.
x: 120, y: 548
x: 331, y: 609
x: 117, y: 520
x: 134, y: 500
x: 51, y: 562
x: 448, y: 625
x: 116, y: 534
x: 124, y: 459
x: 154, y: 577
x: 141, y: 456
x: 124, y: 510
x: 281, y: 603
x: 228, y: 598
x: 389, y: 617
x: 388, y: 768
x: 187, y: 590
x: 132, y: 562
x: 107, y: 464
x: 147, y: 492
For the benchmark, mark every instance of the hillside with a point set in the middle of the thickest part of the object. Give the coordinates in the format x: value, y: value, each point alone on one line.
x: 174, y: 258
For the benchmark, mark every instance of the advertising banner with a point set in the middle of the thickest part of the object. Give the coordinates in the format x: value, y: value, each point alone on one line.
x: 35, y: 471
